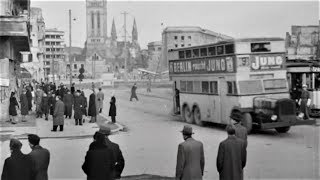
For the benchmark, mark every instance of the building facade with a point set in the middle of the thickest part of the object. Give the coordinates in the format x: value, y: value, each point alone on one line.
x: 185, y: 36
x: 154, y: 56
x: 54, y: 56
x: 14, y: 39
x: 78, y: 60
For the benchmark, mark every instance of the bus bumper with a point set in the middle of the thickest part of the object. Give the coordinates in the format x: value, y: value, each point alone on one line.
x: 290, y: 123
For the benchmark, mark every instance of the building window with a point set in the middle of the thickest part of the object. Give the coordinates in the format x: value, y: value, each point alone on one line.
x: 176, y: 45
x: 212, y: 51
x: 189, y: 86
x: 195, y: 53
x: 183, y: 86
x: 182, y: 45
x: 175, y: 37
x: 197, y: 86
x: 229, y: 49
x: 47, y: 43
x: 219, y: 50
x: 182, y: 38
x: 189, y: 37
x: 205, y: 86
x: 75, y: 66
x: 260, y: 47
x: 47, y: 49
x: 47, y: 56
x: 213, y: 87
x: 203, y: 52
x: 181, y: 55
x: 188, y: 53
x: 232, y: 88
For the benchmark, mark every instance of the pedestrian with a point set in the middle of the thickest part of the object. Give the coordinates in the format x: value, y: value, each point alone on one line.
x: 241, y: 131
x: 113, y: 109
x: 232, y: 157
x: 99, y: 161
x: 100, y: 98
x: 40, y: 157
x: 38, y: 99
x: 305, y: 102
x: 68, y: 102
x: 58, y: 115
x: 78, y: 104
x: 24, y: 105
x: 13, y: 108
x: 45, y: 105
x: 18, y: 165
x: 52, y: 102
x: 72, y: 89
x: 92, y: 110
x: 84, y: 108
x: 149, y: 85
x: 29, y: 97
x: 177, y: 98
x: 133, y: 92
x: 190, y: 158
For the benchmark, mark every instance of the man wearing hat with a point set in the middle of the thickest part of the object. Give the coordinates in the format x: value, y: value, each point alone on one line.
x: 241, y: 131
x: 190, y: 158
x: 79, y: 103
x: 305, y: 102
x: 24, y: 105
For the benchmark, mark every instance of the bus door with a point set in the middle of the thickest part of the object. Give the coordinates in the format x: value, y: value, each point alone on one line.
x: 224, y: 116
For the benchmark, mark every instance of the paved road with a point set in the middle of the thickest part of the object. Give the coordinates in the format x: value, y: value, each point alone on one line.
x: 150, y: 145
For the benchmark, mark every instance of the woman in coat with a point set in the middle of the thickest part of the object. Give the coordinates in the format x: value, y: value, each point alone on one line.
x: 24, y: 105
x: 84, y: 108
x: 29, y: 97
x: 12, y: 108
x: 78, y: 104
x: 58, y: 115
x: 45, y: 105
x: 113, y: 109
x: 92, y: 111
x: 68, y: 101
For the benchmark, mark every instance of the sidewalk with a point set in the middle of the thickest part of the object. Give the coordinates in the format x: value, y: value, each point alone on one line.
x: 43, y: 129
x: 162, y: 93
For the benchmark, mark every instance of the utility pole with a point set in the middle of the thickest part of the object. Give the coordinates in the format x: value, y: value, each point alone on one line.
x: 70, y: 61
x: 125, y: 41
x: 52, y: 63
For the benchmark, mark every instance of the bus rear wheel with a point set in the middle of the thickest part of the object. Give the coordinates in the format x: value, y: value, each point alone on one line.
x: 282, y: 129
x: 197, y: 116
x: 247, y: 121
x: 187, y: 115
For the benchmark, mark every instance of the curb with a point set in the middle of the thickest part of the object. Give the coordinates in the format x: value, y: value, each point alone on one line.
x: 120, y: 127
x: 160, y: 97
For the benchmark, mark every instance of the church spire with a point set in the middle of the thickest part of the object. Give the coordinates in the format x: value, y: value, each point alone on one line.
x: 134, y: 32
x: 113, y: 32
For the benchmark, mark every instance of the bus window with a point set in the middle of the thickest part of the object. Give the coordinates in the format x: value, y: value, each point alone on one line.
x: 196, y: 87
x: 275, y: 84
x: 188, y: 53
x: 229, y: 49
x: 212, y: 51
x: 189, y: 86
x: 195, y: 53
x: 250, y: 87
x: 205, y: 86
x: 232, y: 88
x: 181, y: 55
x: 183, y: 86
x: 203, y: 52
x: 260, y: 47
x: 213, y: 87
x: 219, y: 50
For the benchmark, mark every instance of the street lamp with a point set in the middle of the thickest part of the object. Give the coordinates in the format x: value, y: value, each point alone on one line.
x: 70, y: 32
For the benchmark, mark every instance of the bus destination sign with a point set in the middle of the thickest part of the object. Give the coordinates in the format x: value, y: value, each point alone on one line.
x: 266, y: 62
x: 212, y: 65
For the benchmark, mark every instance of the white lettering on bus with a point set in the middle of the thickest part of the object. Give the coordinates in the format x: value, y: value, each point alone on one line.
x: 258, y: 62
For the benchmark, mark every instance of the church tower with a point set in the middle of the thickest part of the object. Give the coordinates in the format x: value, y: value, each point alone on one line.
x: 96, y: 21
x: 113, y: 32
x: 134, y: 32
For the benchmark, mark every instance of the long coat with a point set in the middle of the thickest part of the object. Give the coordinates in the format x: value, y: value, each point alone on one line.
x: 305, y: 95
x: 58, y: 115
x: 92, y: 111
x: 84, y: 108
x: 45, y: 105
x: 38, y: 100
x: 52, y: 103
x: 24, y: 104
x: 231, y: 159
x: 113, y: 108
x: 100, y: 98
x: 118, y: 158
x: 12, y: 106
x: 18, y: 166
x: 78, y: 105
x: 41, y: 158
x: 29, y: 97
x: 190, y: 160
x: 242, y: 133
x: 68, y: 101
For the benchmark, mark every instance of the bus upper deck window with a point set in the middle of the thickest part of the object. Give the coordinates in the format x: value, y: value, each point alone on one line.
x: 219, y: 50
x: 260, y: 47
x: 195, y: 53
x: 181, y: 55
x: 229, y: 49
x: 203, y: 52
x: 188, y: 53
x: 212, y: 51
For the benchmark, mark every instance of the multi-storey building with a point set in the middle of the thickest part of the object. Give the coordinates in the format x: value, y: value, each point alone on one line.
x: 54, y: 61
x: 14, y: 38
x: 154, y: 56
x: 185, y: 36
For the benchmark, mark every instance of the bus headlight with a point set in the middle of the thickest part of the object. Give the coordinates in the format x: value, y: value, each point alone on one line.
x: 274, y: 117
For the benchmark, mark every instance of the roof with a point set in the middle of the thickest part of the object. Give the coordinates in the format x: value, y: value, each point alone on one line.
x: 155, y: 43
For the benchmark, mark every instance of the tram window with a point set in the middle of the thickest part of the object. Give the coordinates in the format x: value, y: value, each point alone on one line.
x: 212, y: 51
x: 213, y: 87
x: 183, y: 86
x: 205, y: 86
x: 219, y: 50
x: 275, y: 84
x: 188, y: 53
x: 195, y: 53
x: 203, y: 52
x: 181, y: 54
x: 189, y: 86
x: 232, y: 88
x: 229, y: 49
x: 260, y: 47
x: 196, y: 86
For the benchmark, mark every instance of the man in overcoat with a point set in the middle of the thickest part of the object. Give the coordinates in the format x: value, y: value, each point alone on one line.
x: 40, y: 157
x: 113, y: 109
x: 241, y: 131
x: 232, y: 157
x: 24, y: 105
x: 92, y: 110
x: 190, y: 158
x: 52, y: 102
x: 45, y: 105
x: 29, y: 97
x: 78, y: 105
x: 100, y: 98
x: 68, y: 102
x: 38, y: 100
x: 58, y: 115
x: 133, y: 92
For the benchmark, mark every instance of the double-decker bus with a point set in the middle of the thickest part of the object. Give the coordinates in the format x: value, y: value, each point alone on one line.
x: 242, y: 77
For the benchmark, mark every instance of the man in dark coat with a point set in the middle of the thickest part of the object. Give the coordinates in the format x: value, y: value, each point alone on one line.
x: 84, y: 108
x: 45, y: 105
x: 241, y: 131
x: 99, y: 160
x: 113, y: 109
x: 58, y: 115
x: 232, y: 157
x: 18, y: 165
x: 177, y: 98
x: 52, y: 102
x: 13, y: 108
x: 40, y: 157
x: 24, y: 105
x: 190, y: 158
x: 133, y: 92
x: 29, y: 97
x: 38, y: 101
x: 92, y: 111
x: 68, y: 102
x: 78, y: 104
x: 72, y: 89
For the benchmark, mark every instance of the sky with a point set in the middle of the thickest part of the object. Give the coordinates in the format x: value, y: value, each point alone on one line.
x: 238, y: 19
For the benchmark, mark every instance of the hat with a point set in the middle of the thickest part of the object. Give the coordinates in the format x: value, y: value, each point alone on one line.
x: 187, y: 130
x: 304, y: 85
x: 15, y: 144
x: 104, y: 130
x: 237, y: 116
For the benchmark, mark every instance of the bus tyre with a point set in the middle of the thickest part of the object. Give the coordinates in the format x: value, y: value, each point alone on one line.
x: 247, y: 122
x: 282, y: 129
x: 197, y: 116
x: 187, y: 115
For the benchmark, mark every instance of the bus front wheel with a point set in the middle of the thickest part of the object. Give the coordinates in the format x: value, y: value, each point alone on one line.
x: 187, y: 115
x: 197, y: 116
x: 282, y: 129
x: 247, y: 121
